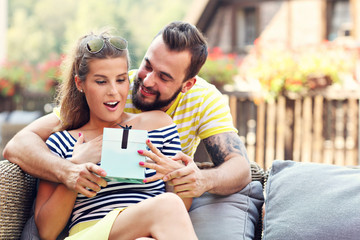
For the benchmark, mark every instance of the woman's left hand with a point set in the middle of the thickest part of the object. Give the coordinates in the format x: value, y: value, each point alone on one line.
x: 161, y: 163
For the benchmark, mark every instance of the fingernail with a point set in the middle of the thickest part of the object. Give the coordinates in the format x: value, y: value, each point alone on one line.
x: 148, y: 140
x: 144, y: 181
x: 79, y: 134
x: 140, y: 151
x: 165, y: 179
x: 141, y: 163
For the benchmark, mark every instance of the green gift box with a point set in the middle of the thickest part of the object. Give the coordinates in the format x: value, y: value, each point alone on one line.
x: 119, y: 156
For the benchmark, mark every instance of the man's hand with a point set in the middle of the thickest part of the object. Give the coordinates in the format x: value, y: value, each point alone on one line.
x: 188, y: 181
x: 180, y: 171
x: 85, y: 176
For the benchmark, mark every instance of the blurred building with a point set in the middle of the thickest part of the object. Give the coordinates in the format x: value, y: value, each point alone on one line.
x: 233, y: 25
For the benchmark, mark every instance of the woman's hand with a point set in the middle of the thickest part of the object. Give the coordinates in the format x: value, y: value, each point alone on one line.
x: 161, y: 163
x: 86, y: 175
x: 85, y: 152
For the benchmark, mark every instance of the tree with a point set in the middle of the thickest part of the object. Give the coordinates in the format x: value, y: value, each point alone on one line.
x: 38, y: 29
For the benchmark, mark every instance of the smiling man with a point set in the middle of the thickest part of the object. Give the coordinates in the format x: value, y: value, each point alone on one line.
x: 226, y: 203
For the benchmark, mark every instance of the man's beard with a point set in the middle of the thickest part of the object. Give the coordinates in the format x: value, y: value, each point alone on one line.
x: 156, y: 105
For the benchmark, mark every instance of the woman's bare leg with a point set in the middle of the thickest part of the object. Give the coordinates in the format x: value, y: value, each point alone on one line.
x: 161, y: 217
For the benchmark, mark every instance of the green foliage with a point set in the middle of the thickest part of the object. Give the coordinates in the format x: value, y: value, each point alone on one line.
x: 279, y: 69
x: 219, y: 68
x: 38, y: 29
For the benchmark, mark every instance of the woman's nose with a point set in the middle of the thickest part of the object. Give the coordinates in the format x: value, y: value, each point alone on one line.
x: 112, y: 89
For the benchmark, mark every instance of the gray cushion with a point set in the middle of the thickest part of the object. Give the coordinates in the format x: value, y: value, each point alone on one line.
x: 227, y: 217
x: 312, y: 201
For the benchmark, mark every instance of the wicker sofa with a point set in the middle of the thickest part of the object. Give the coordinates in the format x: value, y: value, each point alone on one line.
x: 302, y: 200
x: 18, y: 190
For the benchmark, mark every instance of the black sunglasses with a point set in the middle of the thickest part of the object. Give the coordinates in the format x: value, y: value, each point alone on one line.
x: 95, y: 45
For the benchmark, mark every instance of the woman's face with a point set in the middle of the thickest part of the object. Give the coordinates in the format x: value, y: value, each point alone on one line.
x: 106, y: 88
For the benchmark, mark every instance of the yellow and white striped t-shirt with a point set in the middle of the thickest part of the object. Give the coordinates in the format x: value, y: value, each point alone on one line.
x: 199, y: 113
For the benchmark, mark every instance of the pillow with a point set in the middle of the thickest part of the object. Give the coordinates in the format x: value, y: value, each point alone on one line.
x: 233, y: 216
x: 312, y: 201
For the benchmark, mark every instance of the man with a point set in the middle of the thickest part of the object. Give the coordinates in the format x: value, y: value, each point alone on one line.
x: 166, y: 80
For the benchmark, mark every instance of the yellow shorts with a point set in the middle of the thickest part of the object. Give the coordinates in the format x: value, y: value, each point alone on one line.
x: 97, y: 230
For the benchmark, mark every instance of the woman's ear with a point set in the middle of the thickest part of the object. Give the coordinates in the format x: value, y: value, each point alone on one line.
x: 78, y: 83
x: 188, y: 84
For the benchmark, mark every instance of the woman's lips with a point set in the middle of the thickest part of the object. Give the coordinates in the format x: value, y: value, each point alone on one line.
x: 112, y: 106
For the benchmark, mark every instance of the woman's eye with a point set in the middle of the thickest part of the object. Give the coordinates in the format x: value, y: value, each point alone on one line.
x: 100, y: 81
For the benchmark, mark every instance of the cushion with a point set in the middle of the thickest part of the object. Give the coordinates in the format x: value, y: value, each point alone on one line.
x: 228, y: 217
x: 312, y: 201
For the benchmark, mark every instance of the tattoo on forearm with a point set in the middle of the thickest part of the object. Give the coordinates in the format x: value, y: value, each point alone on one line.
x: 221, y: 145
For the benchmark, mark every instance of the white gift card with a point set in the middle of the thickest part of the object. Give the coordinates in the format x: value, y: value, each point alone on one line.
x: 119, y: 156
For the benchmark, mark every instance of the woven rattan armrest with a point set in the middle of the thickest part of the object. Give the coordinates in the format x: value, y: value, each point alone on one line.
x: 257, y: 173
x: 17, y: 192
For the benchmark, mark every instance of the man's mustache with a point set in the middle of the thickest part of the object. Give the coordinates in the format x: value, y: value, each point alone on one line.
x: 149, y: 90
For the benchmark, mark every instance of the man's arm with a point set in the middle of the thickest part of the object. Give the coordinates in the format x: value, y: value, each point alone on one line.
x: 231, y: 174
x: 28, y: 150
x: 232, y: 171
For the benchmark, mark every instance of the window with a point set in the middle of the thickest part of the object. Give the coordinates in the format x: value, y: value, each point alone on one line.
x: 338, y: 19
x: 246, y: 28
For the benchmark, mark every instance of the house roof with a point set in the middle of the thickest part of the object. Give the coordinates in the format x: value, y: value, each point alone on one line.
x: 200, y: 13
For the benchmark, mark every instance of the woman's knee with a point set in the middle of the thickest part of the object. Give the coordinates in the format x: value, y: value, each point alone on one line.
x: 171, y: 201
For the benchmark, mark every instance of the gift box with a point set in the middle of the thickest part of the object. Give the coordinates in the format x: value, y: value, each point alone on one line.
x: 119, y: 156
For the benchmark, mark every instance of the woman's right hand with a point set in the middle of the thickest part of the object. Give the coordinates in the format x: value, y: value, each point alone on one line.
x: 161, y: 163
x: 87, y: 151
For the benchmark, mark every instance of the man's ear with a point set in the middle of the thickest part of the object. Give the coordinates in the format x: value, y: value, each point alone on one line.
x: 188, y: 84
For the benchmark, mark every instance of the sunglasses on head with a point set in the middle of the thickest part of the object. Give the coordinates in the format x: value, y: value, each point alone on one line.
x: 95, y: 45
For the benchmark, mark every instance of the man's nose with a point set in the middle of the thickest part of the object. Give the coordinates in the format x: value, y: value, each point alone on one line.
x: 149, y: 80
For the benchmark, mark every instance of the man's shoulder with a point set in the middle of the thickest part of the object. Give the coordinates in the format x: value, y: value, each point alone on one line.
x: 203, y: 86
x: 202, y: 90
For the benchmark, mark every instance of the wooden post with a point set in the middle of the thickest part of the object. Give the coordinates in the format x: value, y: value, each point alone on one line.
x: 270, y: 134
x: 339, y: 134
x: 351, y: 133
x: 251, y: 132
x: 328, y: 143
x: 280, y: 128
x: 297, y: 130
x: 260, y: 134
x: 233, y: 109
x: 306, y: 149
x: 318, y: 128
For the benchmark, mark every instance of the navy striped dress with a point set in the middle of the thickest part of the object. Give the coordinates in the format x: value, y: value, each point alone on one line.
x: 116, y: 194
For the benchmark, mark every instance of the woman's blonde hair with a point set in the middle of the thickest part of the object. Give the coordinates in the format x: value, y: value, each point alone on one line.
x: 74, y: 110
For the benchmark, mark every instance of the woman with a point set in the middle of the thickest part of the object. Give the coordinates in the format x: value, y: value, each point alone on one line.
x: 92, y: 97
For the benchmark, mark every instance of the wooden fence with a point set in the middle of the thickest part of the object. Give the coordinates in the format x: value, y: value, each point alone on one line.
x: 320, y: 127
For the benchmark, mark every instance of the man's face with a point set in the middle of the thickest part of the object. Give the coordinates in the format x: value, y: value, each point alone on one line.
x: 160, y: 77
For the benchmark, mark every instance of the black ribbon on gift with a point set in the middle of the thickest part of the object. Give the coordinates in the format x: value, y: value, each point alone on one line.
x: 125, y: 136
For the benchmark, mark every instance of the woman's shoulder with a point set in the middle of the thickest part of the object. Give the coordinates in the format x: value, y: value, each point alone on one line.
x: 151, y: 120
